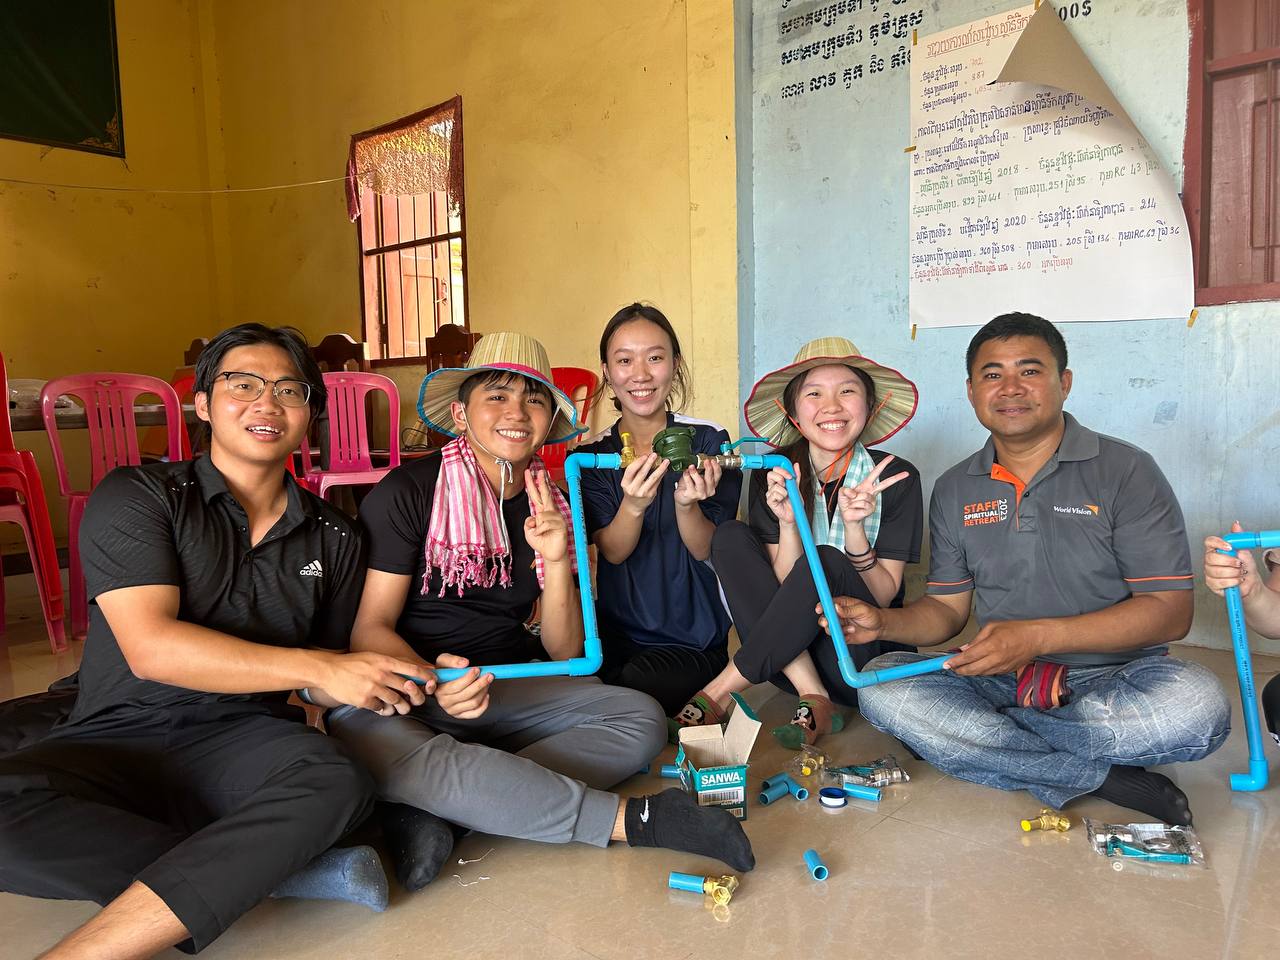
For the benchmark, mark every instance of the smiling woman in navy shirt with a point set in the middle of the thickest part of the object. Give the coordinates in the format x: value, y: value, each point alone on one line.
x: 662, y: 622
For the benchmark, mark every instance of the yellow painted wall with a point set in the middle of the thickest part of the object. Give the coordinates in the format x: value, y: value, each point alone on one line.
x: 98, y: 280
x: 598, y: 153
x: 599, y: 170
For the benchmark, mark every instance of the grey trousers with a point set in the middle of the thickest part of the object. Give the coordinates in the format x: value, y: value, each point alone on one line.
x: 535, y: 765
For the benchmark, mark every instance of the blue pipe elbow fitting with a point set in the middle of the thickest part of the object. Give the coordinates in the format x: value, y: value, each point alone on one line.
x: 685, y: 881
x: 670, y: 771
x: 774, y: 791
x: 797, y: 791
x: 817, y: 869
x: 859, y: 792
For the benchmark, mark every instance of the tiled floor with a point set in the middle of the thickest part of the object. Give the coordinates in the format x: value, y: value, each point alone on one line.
x: 938, y: 869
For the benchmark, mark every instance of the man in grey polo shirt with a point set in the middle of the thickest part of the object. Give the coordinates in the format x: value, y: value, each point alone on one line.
x: 1076, y: 549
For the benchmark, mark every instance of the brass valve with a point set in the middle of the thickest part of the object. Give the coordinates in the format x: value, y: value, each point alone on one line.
x: 720, y: 889
x: 1048, y: 820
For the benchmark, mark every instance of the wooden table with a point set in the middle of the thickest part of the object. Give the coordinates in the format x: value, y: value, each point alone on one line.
x: 73, y: 418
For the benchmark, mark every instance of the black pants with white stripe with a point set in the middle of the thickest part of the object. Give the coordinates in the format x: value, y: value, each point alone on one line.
x: 210, y: 806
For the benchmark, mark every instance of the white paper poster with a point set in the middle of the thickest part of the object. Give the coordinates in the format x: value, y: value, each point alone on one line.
x: 1031, y: 189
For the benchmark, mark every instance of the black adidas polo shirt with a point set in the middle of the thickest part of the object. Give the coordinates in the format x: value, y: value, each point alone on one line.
x: 1096, y: 525
x: 177, y: 524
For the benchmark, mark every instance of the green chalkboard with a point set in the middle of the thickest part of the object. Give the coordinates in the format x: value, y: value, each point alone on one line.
x: 60, y: 75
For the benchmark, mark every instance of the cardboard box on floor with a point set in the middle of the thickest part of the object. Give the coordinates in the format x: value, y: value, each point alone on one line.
x: 713, y: 760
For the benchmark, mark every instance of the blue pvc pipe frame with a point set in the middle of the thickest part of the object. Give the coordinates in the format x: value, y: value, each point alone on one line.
x: 1256, y: 778
x: 592, y: 655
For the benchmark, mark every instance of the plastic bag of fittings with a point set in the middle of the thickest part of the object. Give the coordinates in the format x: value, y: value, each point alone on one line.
x: 1155, y: 843
x: 878, y: 773
x: 809, y: 761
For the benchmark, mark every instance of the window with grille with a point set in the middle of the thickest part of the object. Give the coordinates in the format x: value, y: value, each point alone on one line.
x: 411, y: 223
x: 1233, y: 149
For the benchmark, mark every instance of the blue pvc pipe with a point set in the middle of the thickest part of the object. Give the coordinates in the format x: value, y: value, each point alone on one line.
x: 817, y: 869
x: 774, y: 791
x: 797, y: 791
x: 670, y: 771
x: 685, y: 881
x: 776, y: 778
x: 848, y: 670
x: 860, y: 792
x: 1256, y: 778
x: 593, y: 656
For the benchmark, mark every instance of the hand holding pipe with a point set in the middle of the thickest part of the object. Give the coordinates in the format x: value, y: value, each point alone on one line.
x: 1256, y: 778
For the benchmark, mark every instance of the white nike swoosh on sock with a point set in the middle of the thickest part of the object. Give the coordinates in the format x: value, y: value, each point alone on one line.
x: 644, y: 814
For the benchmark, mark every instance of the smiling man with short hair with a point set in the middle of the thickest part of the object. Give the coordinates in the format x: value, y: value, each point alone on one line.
x: 1074, y: 546
x: 183, y: 789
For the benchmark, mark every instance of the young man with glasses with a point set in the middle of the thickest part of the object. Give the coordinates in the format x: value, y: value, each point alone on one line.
x: 182, y: 789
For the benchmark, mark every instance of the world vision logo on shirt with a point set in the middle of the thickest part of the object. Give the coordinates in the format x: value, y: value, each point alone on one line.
x: 986, y: 511
x: 1088, y: 510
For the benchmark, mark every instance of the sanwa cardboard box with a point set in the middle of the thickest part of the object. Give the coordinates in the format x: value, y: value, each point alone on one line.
x: 713, y: 760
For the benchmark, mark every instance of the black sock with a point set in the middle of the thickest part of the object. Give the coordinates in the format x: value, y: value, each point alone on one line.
x: 1151, y: 793
x: 672, y: 819
x: 419, y: 843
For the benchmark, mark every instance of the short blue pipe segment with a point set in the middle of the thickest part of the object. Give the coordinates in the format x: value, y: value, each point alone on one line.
x: 685, y: 881
x: 1256, y: 778
x: 670, y: 771
x: 776, y: 778
x: 797, y: 791
x: 774, y: 791
x: 860, y: 792
x: 817, y: 869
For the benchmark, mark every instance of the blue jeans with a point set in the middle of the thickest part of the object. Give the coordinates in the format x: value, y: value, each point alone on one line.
x: 1147, y: 712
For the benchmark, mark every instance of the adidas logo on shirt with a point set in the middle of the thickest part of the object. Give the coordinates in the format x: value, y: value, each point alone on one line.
x: 312, y: 569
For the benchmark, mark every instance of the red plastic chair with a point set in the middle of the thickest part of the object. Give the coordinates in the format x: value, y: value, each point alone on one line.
x: 108, y: 399
x: 22, y: 502
x: 570, y: 380
x: 350, y: 461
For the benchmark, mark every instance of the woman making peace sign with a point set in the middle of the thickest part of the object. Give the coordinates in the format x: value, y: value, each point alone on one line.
x: 866, y: 512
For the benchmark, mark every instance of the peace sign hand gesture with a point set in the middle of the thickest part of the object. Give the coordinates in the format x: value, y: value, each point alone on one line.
x: 544, y: 529
x: 858, y: 503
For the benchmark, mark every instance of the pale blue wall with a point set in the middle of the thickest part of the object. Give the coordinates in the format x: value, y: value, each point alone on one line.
x: 827, y: 224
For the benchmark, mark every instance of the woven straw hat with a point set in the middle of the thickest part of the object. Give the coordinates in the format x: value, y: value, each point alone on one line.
x: 896, y: 396
x: 510, y: 352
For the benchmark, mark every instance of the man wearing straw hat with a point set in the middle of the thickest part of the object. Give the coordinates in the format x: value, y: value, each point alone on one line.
x: 1074, y: 547
x: 462, y: 544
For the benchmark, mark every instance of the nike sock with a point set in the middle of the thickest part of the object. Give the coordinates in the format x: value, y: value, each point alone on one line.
x: 1151, y: 793
x: 672, y: 819
x: 353, y: 874
x: 419, y: 843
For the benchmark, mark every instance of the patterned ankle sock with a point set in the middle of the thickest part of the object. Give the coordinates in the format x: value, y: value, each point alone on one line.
x: 701, y: 710
x: 815, y: 717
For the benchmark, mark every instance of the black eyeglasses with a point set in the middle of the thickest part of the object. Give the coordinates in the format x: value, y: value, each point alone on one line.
x: 248, y: 387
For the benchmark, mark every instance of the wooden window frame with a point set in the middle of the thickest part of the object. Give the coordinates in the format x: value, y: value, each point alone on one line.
x: 1194, y: 149
x: 380, y: 345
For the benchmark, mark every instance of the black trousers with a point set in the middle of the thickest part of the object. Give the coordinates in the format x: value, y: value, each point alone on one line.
x: 669, y: 674
x: 210, y: 806
x: 777, y: 621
